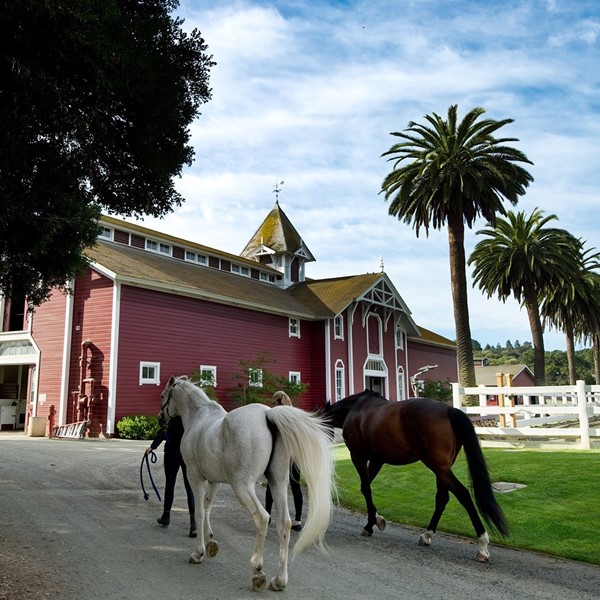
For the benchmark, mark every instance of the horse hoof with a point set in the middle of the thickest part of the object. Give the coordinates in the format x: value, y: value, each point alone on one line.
x: 212, y: 549
x: 195, y: 559
x: 380, y: 522
x: 259, y: 582
x: 482, y: 557
x: 366, y: 533
x: 276, y: 586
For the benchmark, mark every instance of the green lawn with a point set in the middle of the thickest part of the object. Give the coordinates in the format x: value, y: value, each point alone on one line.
x: 557, y: 513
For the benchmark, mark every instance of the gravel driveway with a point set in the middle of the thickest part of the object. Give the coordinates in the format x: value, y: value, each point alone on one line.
x: 74, y: 525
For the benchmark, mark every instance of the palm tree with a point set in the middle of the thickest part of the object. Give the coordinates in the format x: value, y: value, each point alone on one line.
x: 524, y: 258
x: 446, y: 172
x: 573, y: 308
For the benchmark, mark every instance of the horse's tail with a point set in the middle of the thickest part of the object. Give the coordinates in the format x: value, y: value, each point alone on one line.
x: 307, y: 440
x: 480, y: 479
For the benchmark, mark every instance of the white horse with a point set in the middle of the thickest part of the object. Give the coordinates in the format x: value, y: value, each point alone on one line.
x: 238, y: 448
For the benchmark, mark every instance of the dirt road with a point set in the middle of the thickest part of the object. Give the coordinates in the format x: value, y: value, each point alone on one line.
x: 74, y: 524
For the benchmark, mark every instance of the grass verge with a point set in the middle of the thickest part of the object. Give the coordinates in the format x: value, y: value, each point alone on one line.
x: 556, y: 513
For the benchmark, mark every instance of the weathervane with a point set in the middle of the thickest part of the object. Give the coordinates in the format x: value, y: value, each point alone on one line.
x: 276, y: 190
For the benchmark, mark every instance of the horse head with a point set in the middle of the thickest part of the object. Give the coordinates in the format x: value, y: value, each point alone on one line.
x: 168, y: 409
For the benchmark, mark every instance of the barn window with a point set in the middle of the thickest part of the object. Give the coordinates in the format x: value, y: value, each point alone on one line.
x: 399, y: 338
x: 191, y: 256
x: 295, y: 377
x: 338, y: 327
x: 255, y: 377
x: 267, y: 277
x: 208, y: 376
x: 340, y: 381
x: 164, y: 249
x: 149, y: 373
x: 151, y: 245
x: 400, y: 383
x: 240, y: 270
x: 294, y: 328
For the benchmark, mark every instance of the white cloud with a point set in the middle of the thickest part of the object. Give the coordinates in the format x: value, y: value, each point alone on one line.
x: 308, y: 93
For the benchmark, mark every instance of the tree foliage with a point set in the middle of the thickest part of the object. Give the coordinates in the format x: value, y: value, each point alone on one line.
x: 448, y: 172
x: 255, y: 383
x: 521, y: 256
x: 557, y: 370
x: 96, y: 102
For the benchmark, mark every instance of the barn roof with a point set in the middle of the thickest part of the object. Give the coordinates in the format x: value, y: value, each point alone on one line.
x: 430, y: 337
x: 149, y: 270
x: 310, y: 299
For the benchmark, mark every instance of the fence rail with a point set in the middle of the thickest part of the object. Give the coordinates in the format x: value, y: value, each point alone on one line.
x: 533, y: 412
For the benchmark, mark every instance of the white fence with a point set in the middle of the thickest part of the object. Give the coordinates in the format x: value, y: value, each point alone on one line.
x: 528, y: 413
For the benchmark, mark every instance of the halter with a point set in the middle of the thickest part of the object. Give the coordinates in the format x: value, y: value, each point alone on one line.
x: 165, y: 406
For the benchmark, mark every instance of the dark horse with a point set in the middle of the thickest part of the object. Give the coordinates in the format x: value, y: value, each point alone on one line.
x: 378, y: 431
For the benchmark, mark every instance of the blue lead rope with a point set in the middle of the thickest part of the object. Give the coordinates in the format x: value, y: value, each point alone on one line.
x: 153, y: 459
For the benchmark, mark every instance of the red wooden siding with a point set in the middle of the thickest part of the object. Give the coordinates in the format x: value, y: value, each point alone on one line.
x: 48, y: 328
x: 182, y: 333
x: 92, y: 318
x: 420, y: 355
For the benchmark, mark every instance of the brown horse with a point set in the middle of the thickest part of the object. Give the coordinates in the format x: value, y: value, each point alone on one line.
x: 378, y: 431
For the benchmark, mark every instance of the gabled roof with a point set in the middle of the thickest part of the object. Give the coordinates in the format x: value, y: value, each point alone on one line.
x: 487, y: 375
x: 331, y: 296
x: 277, y: 234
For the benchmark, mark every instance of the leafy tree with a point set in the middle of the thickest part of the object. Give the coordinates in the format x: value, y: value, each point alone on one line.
x: 450, y: 173
x: 524, y: 258
x: 574, y: 306
x: 254, y: 382
x: 97, y: 99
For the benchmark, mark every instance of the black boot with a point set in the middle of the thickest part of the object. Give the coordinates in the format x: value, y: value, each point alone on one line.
x: 193, y: 531
x: 165, y: 519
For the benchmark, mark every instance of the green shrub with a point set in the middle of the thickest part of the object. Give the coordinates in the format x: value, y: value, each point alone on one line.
x: 138, y: 427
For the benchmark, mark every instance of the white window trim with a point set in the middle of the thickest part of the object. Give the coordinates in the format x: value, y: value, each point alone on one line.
x: 341, y: 334
x: 400, y: 384
x: 341, y: 369
x: 399, y: 333
x: 150, y: 381
x: 296, y: 375
x: 259, y: 379
x: 209, y: 368
x: 296, y: 333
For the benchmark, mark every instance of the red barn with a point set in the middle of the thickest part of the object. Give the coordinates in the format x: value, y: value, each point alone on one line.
x: 151, y: 305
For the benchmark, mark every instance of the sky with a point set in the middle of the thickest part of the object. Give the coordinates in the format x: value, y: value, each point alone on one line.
x: 306, y: 93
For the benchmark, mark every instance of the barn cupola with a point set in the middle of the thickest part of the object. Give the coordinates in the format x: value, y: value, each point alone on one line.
x: 277, y: 243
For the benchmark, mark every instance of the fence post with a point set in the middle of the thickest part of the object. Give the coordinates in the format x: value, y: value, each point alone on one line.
x: 501, y: 416
x: 584, y: 423
x: 456, y: 395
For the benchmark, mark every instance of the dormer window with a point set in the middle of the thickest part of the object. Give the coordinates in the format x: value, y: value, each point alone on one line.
x: 245, y: 271
x: 160, y: 247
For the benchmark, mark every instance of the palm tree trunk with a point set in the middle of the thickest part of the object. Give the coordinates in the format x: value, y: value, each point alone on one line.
x: 571, y: 353
x: 458, y: 282
x: 596, y: 347
x: 537, y: 336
